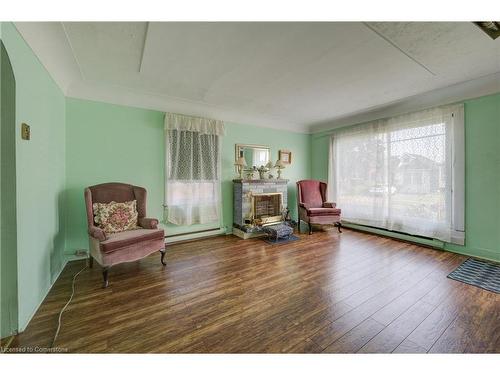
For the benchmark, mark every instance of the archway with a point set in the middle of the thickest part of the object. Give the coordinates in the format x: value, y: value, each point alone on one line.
x: 8, y: 223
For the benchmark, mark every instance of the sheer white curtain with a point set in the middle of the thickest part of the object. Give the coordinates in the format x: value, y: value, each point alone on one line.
x: 404, y: 173
x: 192, y: 169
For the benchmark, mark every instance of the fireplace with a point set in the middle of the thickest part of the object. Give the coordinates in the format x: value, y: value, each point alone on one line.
x: 267, y: 208
x: 257, y: 203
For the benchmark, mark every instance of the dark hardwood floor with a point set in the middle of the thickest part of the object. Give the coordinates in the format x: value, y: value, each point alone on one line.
x: 329, y: 292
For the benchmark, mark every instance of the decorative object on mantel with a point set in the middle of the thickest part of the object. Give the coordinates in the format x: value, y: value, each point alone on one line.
x: 249, y: 173
x: 279, y: 166
x: 285, y: 156
x: 240, y: 164
x: 269, y: 167
x: 262, y: 170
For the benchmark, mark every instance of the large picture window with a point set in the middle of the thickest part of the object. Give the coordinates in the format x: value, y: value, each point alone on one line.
x: 404, y: 173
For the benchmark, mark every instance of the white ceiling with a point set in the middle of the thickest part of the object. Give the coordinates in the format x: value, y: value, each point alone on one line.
x: 298, y: 76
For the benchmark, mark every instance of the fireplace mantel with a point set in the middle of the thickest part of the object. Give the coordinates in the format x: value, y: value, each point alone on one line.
x: 243, y: 190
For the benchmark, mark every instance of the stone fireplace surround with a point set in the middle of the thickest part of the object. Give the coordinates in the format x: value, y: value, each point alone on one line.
x: 242, y: 202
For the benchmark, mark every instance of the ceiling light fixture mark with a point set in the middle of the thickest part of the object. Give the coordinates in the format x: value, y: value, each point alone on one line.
x: 490, y: 28
x: 398, y: 48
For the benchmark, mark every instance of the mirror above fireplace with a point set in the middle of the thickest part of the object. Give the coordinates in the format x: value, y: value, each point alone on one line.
x: 254, y: 155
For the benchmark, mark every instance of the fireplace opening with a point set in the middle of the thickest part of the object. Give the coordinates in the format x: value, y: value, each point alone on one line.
x: 266, y: 208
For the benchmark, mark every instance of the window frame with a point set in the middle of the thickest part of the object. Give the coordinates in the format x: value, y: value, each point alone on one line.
x: 455, y: 140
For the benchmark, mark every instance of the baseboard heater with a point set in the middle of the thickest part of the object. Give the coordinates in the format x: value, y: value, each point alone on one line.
x: 421, y: 240
x: 194, y: 235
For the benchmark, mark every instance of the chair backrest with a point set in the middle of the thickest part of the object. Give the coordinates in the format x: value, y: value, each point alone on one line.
x: 311, y: 192
x: 117, y: 192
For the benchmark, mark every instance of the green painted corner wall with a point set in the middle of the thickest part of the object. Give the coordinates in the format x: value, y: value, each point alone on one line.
x: 40, y: 175
x: 482, y: 180
x: 107, y: 142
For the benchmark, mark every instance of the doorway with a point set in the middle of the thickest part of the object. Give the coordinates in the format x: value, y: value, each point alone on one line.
x: 8, y: 220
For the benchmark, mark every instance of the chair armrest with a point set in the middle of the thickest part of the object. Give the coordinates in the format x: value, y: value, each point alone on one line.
x: 148, y: 223
x: 304, y: 205
x: 97, y: 233
x: 329, y: 205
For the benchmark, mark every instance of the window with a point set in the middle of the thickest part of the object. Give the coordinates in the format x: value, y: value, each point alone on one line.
x: 260, y: 156
x: 404, y: 173
x: 192, y: 170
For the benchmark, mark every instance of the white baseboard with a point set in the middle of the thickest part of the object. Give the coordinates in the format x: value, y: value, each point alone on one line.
x: 52, y: 282
x: 72, y: 257
x: 437, y: 244
x: 194, y: 236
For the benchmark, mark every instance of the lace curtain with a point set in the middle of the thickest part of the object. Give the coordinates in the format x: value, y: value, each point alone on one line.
x: 192, y: 169
x: 404, y: 173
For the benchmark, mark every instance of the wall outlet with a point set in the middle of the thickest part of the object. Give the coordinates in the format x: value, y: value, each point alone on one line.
x: 25, y: 131
x: 81, y: 253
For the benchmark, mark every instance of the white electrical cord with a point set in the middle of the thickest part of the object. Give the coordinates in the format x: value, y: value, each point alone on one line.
x: 67, y: 303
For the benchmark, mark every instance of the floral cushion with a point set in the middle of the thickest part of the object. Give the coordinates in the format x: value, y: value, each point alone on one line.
x: 116, y: 217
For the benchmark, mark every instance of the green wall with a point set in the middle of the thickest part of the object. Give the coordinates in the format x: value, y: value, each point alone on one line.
x: 8, y: 239
x: 108, y: 142
x: 482, y: 179
x: 40, y: 175
x: 298, y: 144
x: 482, y: 176
x: 77, y: 143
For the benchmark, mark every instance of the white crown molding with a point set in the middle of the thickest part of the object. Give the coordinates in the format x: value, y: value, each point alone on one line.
x: 482, y: 86
x: 134, y: 98
x: 49, y: 42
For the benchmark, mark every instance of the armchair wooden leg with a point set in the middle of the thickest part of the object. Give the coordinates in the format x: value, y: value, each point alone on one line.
x: 163, y: 252
x: 91, y: 261
x: 310, y: 229
x: 339, y: 226
x: 105, y: 276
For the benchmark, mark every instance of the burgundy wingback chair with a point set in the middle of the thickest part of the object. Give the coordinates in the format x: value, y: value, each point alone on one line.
x: 313, y: 207
x: 127, y: 246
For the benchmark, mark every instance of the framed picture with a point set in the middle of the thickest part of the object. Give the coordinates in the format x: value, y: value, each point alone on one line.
x: 285, y: 156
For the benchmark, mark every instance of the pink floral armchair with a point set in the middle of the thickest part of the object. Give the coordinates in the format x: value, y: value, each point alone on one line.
x: 109, y: 249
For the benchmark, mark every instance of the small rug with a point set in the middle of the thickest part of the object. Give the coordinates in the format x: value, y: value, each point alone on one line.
x: 272, y: 241
x: 479, y: 273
